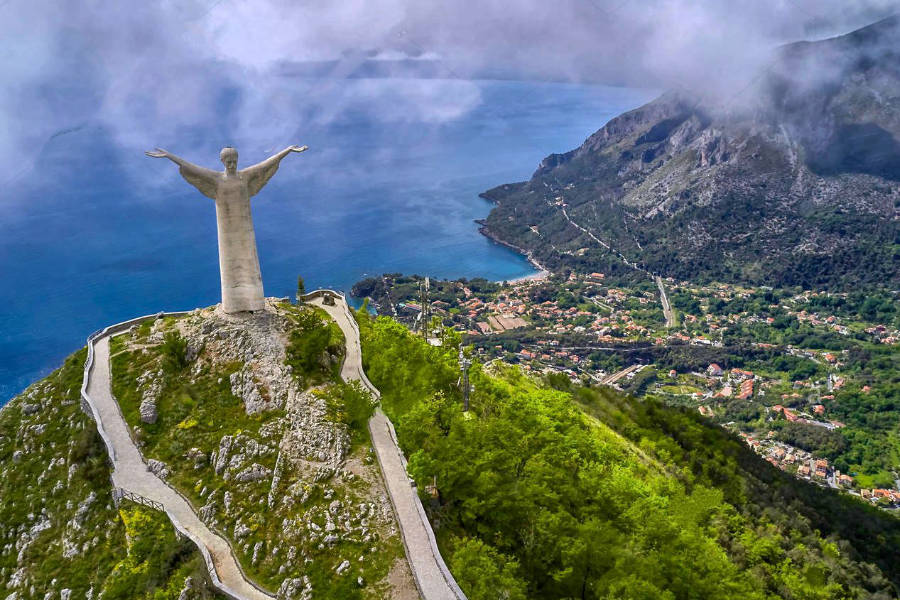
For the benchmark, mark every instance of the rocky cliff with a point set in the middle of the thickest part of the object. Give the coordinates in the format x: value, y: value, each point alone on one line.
x: 793, y: 179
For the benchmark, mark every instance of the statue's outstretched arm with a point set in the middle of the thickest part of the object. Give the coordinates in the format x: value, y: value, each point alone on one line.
x: 201, y: 178
x: 259, y: 174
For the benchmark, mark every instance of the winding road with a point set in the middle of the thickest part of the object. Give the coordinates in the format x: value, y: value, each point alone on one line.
x: 667, y: 309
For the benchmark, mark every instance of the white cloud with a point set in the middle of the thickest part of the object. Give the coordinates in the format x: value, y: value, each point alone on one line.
x: 158, y: 72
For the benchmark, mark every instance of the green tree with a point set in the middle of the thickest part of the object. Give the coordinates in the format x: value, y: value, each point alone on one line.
x: 301, y: 287
x: 174, y: 349
x: 483, y: 573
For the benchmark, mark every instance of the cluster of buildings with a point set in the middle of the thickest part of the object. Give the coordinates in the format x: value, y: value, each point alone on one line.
x: 604, y: 320
x: 559, y: 329
x: 806, y: 466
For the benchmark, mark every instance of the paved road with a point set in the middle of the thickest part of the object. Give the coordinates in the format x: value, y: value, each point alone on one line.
x: 667, y: 309
x: 130, y: 473
x: 432, y: 577
x: 611, y: 379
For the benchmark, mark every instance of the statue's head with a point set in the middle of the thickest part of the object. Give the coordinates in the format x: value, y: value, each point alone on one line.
x: 229, y: 157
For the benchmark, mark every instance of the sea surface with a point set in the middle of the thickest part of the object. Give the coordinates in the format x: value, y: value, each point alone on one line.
x: 94, y: 232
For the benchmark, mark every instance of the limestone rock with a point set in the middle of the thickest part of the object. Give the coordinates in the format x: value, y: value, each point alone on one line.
x: 148, y: 411
x: 254, y: 472
x: 185, y: 593
x: 158, y: 468
x: 241, y: 530
x: 295, y: 589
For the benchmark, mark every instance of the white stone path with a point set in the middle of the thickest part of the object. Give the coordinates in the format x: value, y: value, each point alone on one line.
x: 130, y: 473
x: 429, y: 570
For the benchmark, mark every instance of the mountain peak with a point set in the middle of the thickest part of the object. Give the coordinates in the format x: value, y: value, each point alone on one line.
x: 801, y: 167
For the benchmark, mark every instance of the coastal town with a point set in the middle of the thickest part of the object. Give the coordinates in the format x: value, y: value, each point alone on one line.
x: 798, y: 375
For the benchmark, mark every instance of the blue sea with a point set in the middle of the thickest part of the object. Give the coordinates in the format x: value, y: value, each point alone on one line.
x: 94, y: 232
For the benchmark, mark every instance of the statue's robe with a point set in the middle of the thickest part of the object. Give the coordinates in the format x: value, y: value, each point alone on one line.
x: 242, y: 288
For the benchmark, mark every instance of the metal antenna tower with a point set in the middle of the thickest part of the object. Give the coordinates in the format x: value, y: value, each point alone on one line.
x: 425, y: 315
x: 464, y: 364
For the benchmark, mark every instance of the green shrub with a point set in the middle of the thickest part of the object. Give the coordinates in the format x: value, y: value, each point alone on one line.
x: 351, y: 404
x: 314, y: 348
x: 484, y: 573
x: 174, y: 349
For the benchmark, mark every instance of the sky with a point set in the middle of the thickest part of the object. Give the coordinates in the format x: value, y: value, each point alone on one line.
x: 151, y: 72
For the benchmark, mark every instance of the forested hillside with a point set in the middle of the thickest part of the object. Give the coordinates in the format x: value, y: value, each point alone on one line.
x: 550, y: 490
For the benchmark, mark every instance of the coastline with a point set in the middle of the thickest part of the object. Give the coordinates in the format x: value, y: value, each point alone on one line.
x: 542, y: 272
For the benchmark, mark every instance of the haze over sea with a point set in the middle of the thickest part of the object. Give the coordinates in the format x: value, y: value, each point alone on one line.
x: 96, y: 233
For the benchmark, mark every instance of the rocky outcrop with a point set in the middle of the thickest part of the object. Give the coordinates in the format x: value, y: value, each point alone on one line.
x: 278, y: 479
x: 148, y: 385
x: 56, y: 506
x: 256, y: 341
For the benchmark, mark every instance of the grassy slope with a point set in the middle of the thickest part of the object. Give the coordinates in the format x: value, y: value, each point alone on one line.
x: 58, y: 526
x: 197, y: 409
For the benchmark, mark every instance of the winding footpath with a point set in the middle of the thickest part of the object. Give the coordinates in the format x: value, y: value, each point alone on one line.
x: 131, y: 474
x: 431, y: 574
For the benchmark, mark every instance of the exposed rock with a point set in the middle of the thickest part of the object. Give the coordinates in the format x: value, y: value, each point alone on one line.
x: 343, y: 567
x: 150, y: 388
x: 185, y: 593
x: 148, y: 411
x: 258, y: 342
x: 158, y: 468
x: 83, y: 507
x: 241, y: 530
x: 196, y: 455
x: 254, y: 472
x: 295, y: 589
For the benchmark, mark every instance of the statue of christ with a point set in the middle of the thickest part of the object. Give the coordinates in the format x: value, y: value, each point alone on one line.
x: 242, y: 288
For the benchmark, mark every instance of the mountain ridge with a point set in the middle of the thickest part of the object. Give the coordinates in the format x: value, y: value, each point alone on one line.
x: 802, y: 166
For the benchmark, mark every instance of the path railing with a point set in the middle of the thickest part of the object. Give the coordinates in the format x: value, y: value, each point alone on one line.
x: 420, y: 509
x: 91, y: 410
x: 120, y: 494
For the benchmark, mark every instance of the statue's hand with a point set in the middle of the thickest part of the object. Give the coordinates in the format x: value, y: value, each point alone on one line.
x: 298, y: 148
x: 158, y: 153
